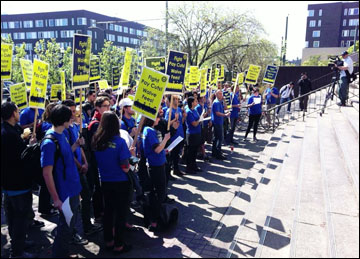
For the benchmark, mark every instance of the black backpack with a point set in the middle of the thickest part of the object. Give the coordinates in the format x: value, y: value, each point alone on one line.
x: 31, y: 159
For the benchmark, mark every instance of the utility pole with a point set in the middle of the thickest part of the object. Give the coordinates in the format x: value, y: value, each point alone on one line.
x: 166, y: 27
x: 286, y: 29
x: 281, y: 50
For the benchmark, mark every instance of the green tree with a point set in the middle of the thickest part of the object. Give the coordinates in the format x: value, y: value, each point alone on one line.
x: 50, y: 53
x: 16, y: 74
x: 110, y: 56
x: 351, y: 49
x: 315, y: 61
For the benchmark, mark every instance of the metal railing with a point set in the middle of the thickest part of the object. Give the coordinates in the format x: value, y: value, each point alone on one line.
x: 318, y: 100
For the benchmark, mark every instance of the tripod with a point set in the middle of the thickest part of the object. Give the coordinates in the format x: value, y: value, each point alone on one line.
x: 330, y: 91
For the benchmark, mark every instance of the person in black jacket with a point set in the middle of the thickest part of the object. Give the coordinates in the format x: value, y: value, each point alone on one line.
x: 15, y: 182
x: 305, y: 87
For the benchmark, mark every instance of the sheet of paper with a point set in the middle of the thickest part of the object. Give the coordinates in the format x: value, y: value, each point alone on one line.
x: 66, y: 209
x: 207, y: 118
x: 257, y: 100
x: 174, y: 143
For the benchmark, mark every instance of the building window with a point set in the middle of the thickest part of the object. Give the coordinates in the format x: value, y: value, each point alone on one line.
x: 46, y: 34
x: 95, y: 46
x: 344, y: 22
x: 354, y: 11
x: 51, y: 23
x: 67, y: 34
x: 319, y: 23
x: 316, y: 44
x: 145, y: 33
x: 312, y: 23
x: 28, y: 46
x: 119, y: 38
x: 19, y: 36
x: 310, y: 13
x: 92, y: 22
x: 89, y: 33
x: 28, y: 24
x: 342, y: 44
x: 31, y: 35
x: 126, y: 39
x: 306, y: 44
x: 316, y: 34
x: 345, y: 11
x: 126, y: 29
x: 4, y: 25
x: 345, y: 33
x: 139, y: 33
x: 353, y: 22
x: 132, y: 31
x: 61, y: 22
x: 81, y: 21
x: 349, y: 43
x: 14, y: 25
x: 95, y: 34
x: 110, y: 37
x: 39, y: 23
x: 352, y: 33
x: 111, y: 27
x: 5, y: 35
x: 320, y: 12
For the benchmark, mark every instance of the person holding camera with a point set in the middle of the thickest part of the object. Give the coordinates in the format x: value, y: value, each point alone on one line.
x: 345, y: 71
x: 305, y: 87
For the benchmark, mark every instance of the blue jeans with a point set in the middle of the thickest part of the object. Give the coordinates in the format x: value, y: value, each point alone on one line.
x: 64, y: 232
x: 283, y: 100
x: 343, y: 89
x: 218, y: 138
x: 230, y: 134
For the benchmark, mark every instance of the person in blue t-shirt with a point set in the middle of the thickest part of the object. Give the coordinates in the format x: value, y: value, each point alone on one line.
x: 271, y: 94
x: 27, y: 117
x: 63, y: 182
x: 128, y: 123
x: 254, y: 105
x: 155, y: 155
x: 234, y: 115
x: 112, y: 157
x: 217, y: 118
x: 193, y: 135
x: 200, y: 108
x: 176, y: 116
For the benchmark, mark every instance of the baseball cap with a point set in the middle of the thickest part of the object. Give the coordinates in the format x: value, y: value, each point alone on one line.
x: 344, y: 53
x: 126, y: 102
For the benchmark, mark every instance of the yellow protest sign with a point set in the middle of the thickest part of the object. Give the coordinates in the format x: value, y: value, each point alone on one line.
x: 26, y: 68
x: 157, y: 63
x: 77, y: 96
x: 54, y: 90
x: 6, y: 59
x: 103, y: 84
x: 187, y: 80
x: 193, y: 79
x: 149, y: 93
x: 222, y: 73
x: 94, y: 70
x: 241, y: 78
x: 203, y: 81
x: 18, y: 95
x: 63, y: 85
x: 39, y: 84
x: 270, y: 74
x: 81, y: 61
x: 125, y: 75
x: 252, y: 74
x: 176, y: 68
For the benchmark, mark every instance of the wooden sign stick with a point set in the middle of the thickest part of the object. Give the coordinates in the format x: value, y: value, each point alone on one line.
x: 80, y: 111
x: 170, y: 111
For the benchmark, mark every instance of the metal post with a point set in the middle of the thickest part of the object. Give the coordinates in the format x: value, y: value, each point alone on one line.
x: 286, y: 29
x: 166, y: 27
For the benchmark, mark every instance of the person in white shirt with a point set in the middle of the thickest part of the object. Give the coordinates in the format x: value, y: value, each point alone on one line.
x: 345, y: 71
x: 286, y: 93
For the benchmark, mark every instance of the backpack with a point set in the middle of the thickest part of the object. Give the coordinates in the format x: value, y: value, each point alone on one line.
x: 351, y: 77
x: 31, y: 156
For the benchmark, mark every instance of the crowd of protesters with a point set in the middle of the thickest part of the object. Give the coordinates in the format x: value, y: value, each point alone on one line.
x: 97, y: 163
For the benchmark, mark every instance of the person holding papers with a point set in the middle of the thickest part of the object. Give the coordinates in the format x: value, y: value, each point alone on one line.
x: 62, y: 178
x: 254, y: 105
x: 233, y: 116
x: 193, y: 135
x: 155, y: 155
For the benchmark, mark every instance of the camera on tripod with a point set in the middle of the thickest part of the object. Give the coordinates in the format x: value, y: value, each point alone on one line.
x: 334, y: 62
